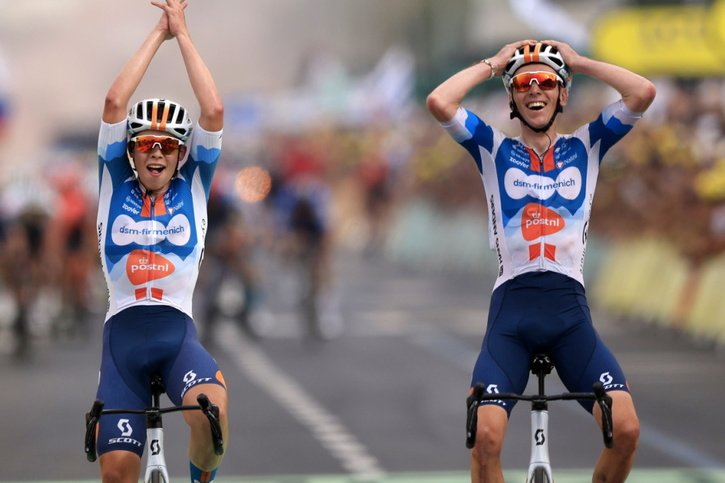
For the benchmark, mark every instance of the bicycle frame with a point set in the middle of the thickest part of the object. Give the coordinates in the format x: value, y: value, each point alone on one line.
x: 156, y: 471
x: 539, y: 461
x: 540, y: 470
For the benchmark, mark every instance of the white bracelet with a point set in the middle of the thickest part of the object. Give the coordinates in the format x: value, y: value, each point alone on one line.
x: 493, y: 72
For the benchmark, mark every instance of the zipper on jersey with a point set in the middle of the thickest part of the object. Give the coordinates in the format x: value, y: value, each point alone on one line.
x: 157, y: 265
x: 540, y: 239
x: 152, y: 218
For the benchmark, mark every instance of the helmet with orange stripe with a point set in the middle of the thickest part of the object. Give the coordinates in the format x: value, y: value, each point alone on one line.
x: 538, y: 53
x: 159, y: 115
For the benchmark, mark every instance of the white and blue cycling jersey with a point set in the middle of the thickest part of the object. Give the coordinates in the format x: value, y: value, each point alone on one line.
x: 151, y: 249
x: 539, y: 205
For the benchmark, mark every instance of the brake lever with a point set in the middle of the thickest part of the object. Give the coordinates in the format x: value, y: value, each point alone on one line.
x: 92, y: 418
x: 472, y: 403
x: 605, y: 404
x: 212, y: 413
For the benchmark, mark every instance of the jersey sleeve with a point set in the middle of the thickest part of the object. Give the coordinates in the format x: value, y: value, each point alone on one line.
x: 615, y: 121
x: 112, y: 152
x: 203, y: 155
x: 468, y: 130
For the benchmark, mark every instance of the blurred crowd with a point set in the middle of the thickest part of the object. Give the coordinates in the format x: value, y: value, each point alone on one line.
x: 668, y: 179
x: 302, y: 194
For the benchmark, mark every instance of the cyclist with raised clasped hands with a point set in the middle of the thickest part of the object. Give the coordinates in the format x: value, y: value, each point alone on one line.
x: 155, y: 173
x: 539, y: 188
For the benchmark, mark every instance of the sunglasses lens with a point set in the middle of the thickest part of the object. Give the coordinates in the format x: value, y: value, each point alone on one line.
x: 547, y: 84
x: 145, y: 144
x: 520, y: 86
x: 545, y: 80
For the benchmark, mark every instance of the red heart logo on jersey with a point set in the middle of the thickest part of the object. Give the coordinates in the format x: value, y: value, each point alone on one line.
x: 538, y: 220
x: 143, y: 266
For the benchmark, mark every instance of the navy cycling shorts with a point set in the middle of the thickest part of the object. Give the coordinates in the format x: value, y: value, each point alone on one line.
x: 543, y: 312
x: 139, y: 342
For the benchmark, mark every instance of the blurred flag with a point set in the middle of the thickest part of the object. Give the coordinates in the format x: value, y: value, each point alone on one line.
x: 329, y: 95
x: 549, y: 21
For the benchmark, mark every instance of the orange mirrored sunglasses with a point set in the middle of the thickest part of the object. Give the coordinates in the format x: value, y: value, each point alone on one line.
x: 167, y: 144
x: 545, y: 80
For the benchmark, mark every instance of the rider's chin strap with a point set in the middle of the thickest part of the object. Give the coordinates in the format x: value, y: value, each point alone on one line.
x: 515, y: 113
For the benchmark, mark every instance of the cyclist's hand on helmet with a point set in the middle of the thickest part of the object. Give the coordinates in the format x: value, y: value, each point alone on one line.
x: 174, y: 13
x: 502, y: 57
x: 570, y: 56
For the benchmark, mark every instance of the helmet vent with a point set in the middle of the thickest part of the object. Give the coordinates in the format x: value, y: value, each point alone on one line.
x: 162, y: 114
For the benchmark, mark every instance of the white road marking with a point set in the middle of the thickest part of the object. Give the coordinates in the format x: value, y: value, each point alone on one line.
x: 352, y: 455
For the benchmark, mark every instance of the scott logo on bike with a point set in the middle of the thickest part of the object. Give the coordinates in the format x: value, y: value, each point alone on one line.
x: 155, y: 447
x: 539, y: 437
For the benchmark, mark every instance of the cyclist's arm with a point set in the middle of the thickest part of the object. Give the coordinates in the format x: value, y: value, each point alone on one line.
x: 445, y: 99
x: 211, y: 117
x: 125, y: 84
x: 637, y: 92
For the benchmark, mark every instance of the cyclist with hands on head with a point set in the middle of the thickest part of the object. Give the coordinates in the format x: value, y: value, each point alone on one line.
x: 155, y: 173
x: 539, y: 189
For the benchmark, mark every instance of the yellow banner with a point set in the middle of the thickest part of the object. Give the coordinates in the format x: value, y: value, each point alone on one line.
x: 668, y: 40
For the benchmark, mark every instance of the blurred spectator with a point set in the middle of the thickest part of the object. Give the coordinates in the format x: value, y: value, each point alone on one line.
x: 228, y: 259
x: 674, y: 162
x: 22, y: 267
x: 375, y: 178
x: 300, y: 201
x: 73, y: 248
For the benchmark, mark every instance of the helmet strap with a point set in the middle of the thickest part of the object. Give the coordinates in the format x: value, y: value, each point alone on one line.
x: 129, y: 155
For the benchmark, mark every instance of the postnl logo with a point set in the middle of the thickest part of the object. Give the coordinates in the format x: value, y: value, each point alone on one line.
x: 149, y: 232
x: 143, y: 266
x: 519, y: 184
x: 538, y: 220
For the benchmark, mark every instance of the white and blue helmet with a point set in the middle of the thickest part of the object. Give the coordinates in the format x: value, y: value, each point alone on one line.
x: 538, y: 53
x: 160, y: 115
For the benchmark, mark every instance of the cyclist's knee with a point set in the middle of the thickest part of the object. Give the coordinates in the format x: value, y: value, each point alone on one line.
x: 120, y: 467
x: 201, y: 448
x: 490, y: 432
x: 626, y: 423
x: 487, y: 453
x: 626, y: 435
x: 198, y: 421
x: 117, y: 475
